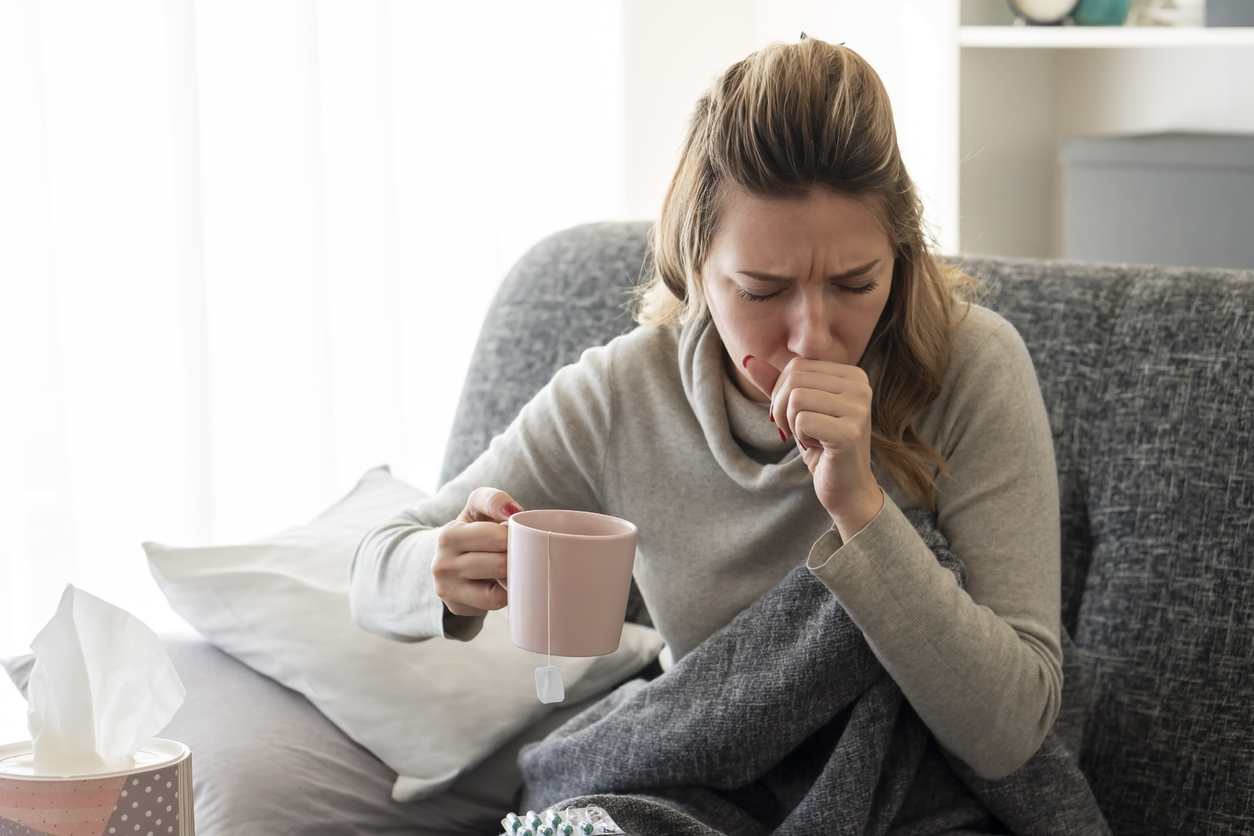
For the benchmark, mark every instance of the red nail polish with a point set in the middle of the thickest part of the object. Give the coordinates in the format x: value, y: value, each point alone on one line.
x: 771, y: 415
x: 782, y: 437
x: 745, y: 362
x: 511, y: 509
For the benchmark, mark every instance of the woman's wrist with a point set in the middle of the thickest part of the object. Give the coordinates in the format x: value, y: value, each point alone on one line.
x: 856, y: 514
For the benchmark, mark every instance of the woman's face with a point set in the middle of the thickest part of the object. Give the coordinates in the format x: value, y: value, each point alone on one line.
x: 803, y: 277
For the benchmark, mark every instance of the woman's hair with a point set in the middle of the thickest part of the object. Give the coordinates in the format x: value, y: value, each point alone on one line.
x: 783, y: 122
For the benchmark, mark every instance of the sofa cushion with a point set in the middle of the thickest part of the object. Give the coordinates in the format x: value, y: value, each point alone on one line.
x: 1167, y: 623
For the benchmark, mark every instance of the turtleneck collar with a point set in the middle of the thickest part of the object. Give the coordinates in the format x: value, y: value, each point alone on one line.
x: 741, y: 438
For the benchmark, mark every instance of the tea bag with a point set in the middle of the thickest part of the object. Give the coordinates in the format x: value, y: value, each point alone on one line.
x: 549, y: 686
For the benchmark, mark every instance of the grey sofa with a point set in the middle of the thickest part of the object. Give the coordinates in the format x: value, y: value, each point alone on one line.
x: 1148, y: 375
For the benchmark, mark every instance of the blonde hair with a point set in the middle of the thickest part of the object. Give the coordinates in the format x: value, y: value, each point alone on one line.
x: 783, y: 122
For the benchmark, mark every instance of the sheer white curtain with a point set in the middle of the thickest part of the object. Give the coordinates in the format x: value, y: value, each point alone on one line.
x: 244, y: 249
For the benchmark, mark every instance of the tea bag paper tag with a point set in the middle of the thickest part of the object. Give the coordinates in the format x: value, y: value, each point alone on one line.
x: 549, y: 684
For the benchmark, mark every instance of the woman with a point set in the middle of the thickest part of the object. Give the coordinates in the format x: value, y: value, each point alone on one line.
x: 805, y: 371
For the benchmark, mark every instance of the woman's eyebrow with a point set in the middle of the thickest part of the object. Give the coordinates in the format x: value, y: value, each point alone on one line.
x: 852, y: 273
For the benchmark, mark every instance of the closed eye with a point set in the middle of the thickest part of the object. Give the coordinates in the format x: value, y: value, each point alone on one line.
x: 866, y: 288
x: 754, y: 297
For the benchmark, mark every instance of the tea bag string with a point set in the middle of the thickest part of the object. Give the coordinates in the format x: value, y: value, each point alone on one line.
x: 548, y: 580
x: 548, y: 678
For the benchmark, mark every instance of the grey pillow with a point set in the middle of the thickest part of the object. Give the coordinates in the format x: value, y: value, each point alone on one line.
x: 265, y: 761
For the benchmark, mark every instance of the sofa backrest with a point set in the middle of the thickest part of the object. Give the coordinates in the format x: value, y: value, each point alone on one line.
x: 1148, y: 376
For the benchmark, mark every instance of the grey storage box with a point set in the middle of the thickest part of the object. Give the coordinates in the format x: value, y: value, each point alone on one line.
x: 1184, y: 200
x: 1230, y: 12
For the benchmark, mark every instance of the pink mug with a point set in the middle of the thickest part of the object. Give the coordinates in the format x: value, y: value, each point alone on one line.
x: 569, y: 577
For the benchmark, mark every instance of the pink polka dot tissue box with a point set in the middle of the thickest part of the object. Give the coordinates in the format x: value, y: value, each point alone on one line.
x: 153, y: 799
x: 101, y: 689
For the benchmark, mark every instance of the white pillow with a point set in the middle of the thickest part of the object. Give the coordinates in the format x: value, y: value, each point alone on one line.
x: 428, y: 710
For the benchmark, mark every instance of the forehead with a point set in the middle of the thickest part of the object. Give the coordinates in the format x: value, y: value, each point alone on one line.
x: 821, y: 222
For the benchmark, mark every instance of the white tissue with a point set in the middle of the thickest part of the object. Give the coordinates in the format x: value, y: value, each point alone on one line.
x: 102, y: 685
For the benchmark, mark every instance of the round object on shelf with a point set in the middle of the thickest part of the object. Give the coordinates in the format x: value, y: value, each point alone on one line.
x: 1043, y: 12
x: 1101, y: 12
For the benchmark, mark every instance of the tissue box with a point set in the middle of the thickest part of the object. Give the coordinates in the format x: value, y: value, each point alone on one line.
x: 153, y: 799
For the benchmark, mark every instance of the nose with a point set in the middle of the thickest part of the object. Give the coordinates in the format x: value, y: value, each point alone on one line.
x: 810, y: 327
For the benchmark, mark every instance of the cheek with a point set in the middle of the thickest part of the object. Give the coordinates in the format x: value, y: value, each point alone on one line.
x: 743, y: 328
x: 723, y: 314
x: 859, y: 328
x: 861, y: 322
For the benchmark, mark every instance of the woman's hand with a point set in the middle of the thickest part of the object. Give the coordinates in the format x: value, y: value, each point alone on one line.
x: 470, y: 563
x: 826, y: 407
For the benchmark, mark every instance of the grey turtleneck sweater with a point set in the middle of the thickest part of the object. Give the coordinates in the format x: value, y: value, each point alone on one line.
x: 651, y: 429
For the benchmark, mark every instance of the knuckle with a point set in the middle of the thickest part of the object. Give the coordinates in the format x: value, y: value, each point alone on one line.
x: 446, y: 540
x: 442, y: 587
x: 459, y: 609
x: 441, y: 570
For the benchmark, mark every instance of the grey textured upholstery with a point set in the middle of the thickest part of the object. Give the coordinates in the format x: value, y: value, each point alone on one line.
x: 1168, y: 612
x: 1148, y: 376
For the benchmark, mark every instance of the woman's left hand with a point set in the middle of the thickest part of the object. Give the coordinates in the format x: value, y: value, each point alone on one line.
x: 826, y: 408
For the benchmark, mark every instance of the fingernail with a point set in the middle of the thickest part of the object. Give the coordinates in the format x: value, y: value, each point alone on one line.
x: 745, y: 362
x: 511, y: 509
x: 771, y: 415
x: 782, y: 437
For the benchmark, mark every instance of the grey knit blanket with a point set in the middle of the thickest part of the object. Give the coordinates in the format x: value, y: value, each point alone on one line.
x: 785, y: 723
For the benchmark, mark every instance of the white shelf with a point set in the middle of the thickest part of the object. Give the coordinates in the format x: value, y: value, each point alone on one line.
x: 1022, y: 90
x: 1103, y: 37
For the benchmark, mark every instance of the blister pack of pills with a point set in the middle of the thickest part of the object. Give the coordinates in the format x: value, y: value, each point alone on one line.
x: 573, y: 821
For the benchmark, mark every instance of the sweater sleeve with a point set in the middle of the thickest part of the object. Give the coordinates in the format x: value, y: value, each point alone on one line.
x: 551, y: 456
x: 982, y: 667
